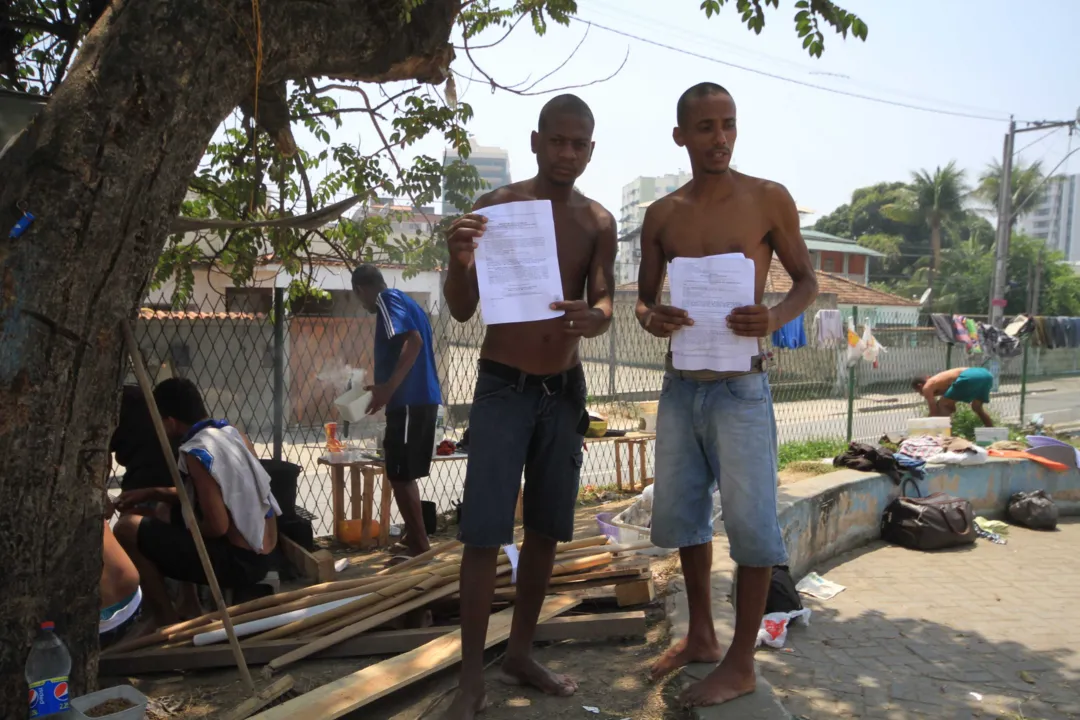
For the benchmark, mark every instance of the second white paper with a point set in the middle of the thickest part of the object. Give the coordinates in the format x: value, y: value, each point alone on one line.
x: 517, y: 263
x: 708, y: 289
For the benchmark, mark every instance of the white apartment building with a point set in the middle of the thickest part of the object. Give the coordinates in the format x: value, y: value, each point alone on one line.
x: 1057, y: 218
x: 639, y: 192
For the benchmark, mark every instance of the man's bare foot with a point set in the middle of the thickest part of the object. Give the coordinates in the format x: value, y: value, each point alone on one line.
x: 465, y: 706
x: 725, y: 683
x: 529, y: 672
x: 683, y: 653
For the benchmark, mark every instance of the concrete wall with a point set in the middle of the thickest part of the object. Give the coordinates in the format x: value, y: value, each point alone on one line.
x: 824, y: 516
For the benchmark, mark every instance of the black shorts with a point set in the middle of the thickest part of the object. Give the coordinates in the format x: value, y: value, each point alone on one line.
x: 172, y: 550
x: 410, y: 441
x: 529, y: 423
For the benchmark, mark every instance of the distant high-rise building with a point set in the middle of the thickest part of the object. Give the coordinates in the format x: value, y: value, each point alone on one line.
x: 1057, y: 218
x: 641, y: 191
x: 492, y: 163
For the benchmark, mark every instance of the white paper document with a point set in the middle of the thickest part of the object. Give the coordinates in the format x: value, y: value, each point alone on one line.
x: 517, y: 263
x: 708, y: 289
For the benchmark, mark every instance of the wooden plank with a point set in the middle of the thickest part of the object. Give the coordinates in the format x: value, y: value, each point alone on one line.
x: 337, y: 482
x: 384, y: 510
x: 263, y: 698
x: 638, y: 592
x: 368, y: 685
x: 366, y: 540
x: 576, y: 627
x: 318, y: 567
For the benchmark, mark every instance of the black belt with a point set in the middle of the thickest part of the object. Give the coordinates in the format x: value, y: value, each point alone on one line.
x: 552, y: 384
x: 757, y: 365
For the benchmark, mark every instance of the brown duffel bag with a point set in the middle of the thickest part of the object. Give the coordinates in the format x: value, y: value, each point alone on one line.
x: 930, y: 523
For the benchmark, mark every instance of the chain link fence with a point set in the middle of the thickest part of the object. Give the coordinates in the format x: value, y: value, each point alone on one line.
x: 275, y: 373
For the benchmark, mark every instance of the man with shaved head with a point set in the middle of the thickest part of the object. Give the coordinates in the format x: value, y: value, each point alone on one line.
x: 528, y: 412
x: 718, y: 428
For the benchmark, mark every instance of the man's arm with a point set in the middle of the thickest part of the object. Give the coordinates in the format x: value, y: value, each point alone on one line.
x: 461, y: 290
x: 215, y: 516
x: 789, y: 246
x: 592, y: 317
x: 931, y: 402
x: 660, y: 320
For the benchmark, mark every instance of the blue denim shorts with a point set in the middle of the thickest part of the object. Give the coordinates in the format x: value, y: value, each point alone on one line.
x: 718, y: 432
x: 523, y: 423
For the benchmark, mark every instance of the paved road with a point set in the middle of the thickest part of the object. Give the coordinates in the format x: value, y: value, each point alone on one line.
x: 979, y: 633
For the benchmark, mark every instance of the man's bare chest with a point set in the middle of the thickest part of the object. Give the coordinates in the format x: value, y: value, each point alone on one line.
x: 715, y: 235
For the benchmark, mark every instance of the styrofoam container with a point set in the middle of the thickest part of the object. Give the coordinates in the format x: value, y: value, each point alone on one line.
x: 353, y: 405
x: 88, y: 702
x: 986, y: 436
x: 930, y: 426
x: 624, y: 534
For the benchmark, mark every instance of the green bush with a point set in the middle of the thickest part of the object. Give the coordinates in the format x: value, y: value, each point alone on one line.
x: 811, y: 450
x: 964, y: 421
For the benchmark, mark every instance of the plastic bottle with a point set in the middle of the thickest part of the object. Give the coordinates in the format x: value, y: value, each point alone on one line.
x: 47, y: 672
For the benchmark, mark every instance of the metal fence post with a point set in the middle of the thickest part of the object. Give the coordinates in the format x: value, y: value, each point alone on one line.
x: 279, y: 370
x: 851, y: 382
x: 1023, y: 379
x: 948, y: 357
x: 612, y: 364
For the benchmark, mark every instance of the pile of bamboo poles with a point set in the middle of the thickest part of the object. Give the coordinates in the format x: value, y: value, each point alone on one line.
x: 329, y: 613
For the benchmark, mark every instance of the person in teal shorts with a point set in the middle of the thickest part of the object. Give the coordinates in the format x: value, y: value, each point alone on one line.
x: 944, y: 390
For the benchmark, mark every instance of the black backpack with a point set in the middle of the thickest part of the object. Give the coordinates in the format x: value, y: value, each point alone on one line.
x: 783, y: 597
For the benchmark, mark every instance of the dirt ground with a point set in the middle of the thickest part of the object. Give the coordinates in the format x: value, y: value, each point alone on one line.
x: 612, y: 674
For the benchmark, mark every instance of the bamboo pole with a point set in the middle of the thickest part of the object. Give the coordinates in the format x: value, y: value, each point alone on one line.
x: 185, y: 502
x: 360, y: 627
x: 421, y: 558
x: 348, y: 619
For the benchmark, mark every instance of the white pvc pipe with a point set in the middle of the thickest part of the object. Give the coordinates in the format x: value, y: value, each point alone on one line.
x: 269, y: 623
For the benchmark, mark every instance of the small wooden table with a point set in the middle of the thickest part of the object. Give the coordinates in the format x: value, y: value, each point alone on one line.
x: 362, y: 474
x: 632, y: 441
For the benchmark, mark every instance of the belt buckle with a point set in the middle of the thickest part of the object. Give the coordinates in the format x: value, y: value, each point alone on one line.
x: 544, y: 384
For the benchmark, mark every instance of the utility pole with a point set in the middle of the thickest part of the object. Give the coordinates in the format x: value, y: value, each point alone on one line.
x: 1005, y: 218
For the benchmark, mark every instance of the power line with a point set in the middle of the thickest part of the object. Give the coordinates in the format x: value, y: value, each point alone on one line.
x: 653, y: 23
x: 1037, y: 140
x: 803, y: 83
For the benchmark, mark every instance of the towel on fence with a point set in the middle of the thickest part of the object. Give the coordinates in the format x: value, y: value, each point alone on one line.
x: 830, y: 327
x: 960, y: 330
x: 245, y: 485
x: 943, y: 328
x: 973, y: 334
x: 998, y: 342
x: 791, y: 336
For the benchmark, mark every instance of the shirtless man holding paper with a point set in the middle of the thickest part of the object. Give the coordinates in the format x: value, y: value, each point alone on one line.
x: 528, y: 410
x: 713, y: 427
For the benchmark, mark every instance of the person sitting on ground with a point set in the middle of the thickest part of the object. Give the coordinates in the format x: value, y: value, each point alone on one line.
x: 944, y: 390
x: 234, y: 508
x: 119, y: 588
x: 135, y: 446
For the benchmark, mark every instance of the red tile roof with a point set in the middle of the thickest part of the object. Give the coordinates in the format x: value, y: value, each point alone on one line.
x: 149, y: 314
x: 847, y: 292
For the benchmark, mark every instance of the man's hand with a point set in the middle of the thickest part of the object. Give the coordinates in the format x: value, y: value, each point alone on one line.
x: 580, y: 319
x: 754, y: 321
x: 461, y: 237
x: 663, y: 320
x: 380, y: 395
x: 130, y: 498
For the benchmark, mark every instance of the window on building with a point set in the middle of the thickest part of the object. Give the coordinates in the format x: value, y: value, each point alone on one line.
x: 1042, y: 225
x: 828, y: 264
x: 1042, y: 212
x: 257, y: 300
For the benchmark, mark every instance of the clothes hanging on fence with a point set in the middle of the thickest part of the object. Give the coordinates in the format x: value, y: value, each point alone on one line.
x: 1021, y: 325
x: 829, y: 327
x: 960, y: 330
x: 1059, y: 329
x: 1072, y: 331
x: 998, y: 342
x: 975, y: 348
x: 943, y: 328
x: 1043, y: 336
x: 791, y: 336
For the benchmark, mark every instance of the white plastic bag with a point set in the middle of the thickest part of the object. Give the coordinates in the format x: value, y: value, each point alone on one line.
x: 774, y: 627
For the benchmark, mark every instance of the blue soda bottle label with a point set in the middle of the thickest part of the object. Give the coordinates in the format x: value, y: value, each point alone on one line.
x: 49, y: 697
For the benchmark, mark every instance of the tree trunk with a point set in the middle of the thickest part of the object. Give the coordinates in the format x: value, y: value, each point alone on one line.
x: 935, y: 243
x: 104, y: 168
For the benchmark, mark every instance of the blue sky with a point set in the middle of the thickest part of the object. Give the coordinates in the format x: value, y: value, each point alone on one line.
x: 985, y: 57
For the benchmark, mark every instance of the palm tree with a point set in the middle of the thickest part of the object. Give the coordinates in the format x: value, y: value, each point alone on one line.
x: 1028, y: 188
x: 932, y: 198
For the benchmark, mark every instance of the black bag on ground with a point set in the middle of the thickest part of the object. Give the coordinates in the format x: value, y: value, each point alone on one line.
x: 931, y: 523
x: 783, y: 597
x: 1035, y: 510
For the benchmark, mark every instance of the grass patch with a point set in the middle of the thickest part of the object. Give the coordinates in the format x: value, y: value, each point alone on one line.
x: 810, y: 467
x: 810, y: 450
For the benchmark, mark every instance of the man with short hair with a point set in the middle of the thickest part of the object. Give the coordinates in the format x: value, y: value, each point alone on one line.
x: 234, y: 508
x: 944, y: 390
x: 407, y: 385
x: 529, y: 405
x: 718, y: 428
